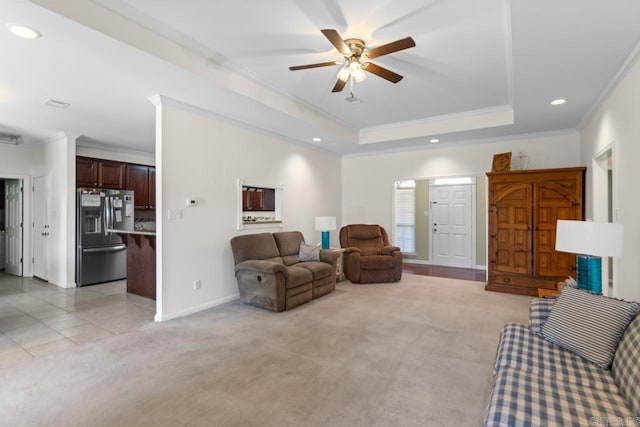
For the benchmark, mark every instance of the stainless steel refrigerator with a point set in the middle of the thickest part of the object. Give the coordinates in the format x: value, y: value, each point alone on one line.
x: 101, y: 255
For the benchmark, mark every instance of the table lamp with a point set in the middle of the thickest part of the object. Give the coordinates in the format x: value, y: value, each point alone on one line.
x: 325, y: 224
x: 590, y: 241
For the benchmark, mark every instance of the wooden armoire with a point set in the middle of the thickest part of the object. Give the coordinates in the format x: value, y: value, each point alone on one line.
x: 523, y: 209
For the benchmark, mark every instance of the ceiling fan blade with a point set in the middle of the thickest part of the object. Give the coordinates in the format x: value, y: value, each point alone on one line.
x: 337, y: 41
x: 320, y: 64
x: 382, y: 72
x: 388, y: 48
x: 339, y: 86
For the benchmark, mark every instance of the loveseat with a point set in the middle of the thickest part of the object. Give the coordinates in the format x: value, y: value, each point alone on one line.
x: 540, y: 383
x: 270, y: 274
x: 368, y: 256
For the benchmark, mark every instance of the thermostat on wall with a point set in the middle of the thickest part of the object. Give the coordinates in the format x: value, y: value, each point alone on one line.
x: 191, y: 202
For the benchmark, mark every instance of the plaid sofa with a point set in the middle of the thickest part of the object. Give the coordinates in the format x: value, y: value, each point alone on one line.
x: 536, y: 383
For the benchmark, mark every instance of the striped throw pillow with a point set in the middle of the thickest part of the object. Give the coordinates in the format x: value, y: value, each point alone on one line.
x: 588, y: 325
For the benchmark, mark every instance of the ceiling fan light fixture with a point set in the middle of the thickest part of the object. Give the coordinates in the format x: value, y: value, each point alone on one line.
x: 344, y: 74
x: 359, y: 74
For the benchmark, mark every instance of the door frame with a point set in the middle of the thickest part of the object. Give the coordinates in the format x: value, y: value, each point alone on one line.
x: 473, y: 227
x: 605, y: 198
x: 27, y: 235
x: 46, y: 181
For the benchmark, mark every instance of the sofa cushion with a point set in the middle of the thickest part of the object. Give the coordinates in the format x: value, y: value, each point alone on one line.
x: 254, y: 246
x: 523, y: 398
x: 625, y: 368
x: 520, y: 348
x: 288, y: 242
x: 376, y: 262
x: 309, y: 253
x: 318, y: 269
x: 297, y: 276
x: 290, y: 259
x: 587, y: 324
x: 539, y: 310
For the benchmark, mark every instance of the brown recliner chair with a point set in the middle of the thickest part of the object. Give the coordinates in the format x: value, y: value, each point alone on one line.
x: 368, y: 257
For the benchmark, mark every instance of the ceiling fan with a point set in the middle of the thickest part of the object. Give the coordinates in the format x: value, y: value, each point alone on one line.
x: 357, y: 55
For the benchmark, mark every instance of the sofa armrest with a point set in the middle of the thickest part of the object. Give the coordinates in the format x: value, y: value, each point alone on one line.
x: 388, y: 250
x: 539, y: 310
x: 262, y: 267
x: 330, y: 257
x: 352, y: 249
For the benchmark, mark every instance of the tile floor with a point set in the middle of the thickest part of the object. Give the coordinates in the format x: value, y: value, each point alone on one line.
x: 38, y: 319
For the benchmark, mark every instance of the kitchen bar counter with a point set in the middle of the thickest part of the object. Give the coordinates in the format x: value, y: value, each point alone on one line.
x: 141, y: 261
x: 142, y: 233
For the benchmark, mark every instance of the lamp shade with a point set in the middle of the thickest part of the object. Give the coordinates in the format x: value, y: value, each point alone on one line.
x: 589, y: 238
x: 325, y: 223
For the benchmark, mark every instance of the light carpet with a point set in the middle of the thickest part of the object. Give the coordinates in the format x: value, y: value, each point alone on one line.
x: 414, y: 353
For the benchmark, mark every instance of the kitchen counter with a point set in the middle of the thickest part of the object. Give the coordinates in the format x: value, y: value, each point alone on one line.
x: 140, y: 232
x: 141, y: 261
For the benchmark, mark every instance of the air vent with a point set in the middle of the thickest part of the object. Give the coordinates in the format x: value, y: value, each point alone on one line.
x: 56, y: 103
x: 7, y: 138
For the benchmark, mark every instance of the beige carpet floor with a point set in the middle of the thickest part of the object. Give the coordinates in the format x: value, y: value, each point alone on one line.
x: 414, y: 353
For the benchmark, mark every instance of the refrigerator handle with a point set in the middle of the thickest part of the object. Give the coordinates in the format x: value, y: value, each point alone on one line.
x: 107, y: 215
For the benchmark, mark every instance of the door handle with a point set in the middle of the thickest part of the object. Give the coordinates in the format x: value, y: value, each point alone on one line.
x: 435, y: 229
x: 45, y: 234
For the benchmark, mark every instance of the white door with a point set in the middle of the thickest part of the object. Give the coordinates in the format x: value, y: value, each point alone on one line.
x: 451, y: 225
x: 13, y: 213
x: 41, y: 227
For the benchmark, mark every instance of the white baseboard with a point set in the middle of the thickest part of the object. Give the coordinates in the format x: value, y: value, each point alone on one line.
x: 195, y: 309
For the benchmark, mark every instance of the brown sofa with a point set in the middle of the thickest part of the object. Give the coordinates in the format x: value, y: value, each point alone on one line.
x: 270, y: 276
x: 368, y: 257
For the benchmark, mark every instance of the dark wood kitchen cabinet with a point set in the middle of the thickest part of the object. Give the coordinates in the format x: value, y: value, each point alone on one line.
x: 99, y: 173
x: 258, y: 199
x: 142, y: 180
x: 524, y: 207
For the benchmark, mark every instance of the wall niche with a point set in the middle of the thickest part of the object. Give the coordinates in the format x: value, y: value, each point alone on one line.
x: 259, y: 206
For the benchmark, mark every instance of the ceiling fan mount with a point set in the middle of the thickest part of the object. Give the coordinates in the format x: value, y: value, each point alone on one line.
x: 357, y: 55
x: 356, y: 46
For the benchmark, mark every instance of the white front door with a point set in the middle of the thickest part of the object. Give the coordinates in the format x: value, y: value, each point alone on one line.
x: 451, y: 225
x: 13, y: 216
x: 41, y: 227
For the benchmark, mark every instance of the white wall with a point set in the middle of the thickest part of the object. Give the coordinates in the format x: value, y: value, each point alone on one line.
x: 367, y: 181
x: 200, y: 156
x: 617, y: 122
x: 60, y: 166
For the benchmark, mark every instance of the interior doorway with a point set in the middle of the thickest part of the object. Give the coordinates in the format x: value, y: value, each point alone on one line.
x: 441, y: 221
x: 13, y: 226
x: 604, y: 206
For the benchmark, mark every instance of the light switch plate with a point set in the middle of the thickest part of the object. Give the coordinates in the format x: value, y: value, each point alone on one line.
x: 175, y: 214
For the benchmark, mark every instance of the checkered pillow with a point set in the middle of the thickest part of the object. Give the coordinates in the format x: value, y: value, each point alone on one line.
x: 588, y: 325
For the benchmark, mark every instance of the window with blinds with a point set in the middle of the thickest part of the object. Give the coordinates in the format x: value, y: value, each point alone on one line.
x: 406, y: 216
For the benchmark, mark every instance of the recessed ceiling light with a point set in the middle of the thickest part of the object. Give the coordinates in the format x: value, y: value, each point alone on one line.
x: 434, y: 140
x: 316, y: 139
x: 24, y: 32
x: 558, y: 101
